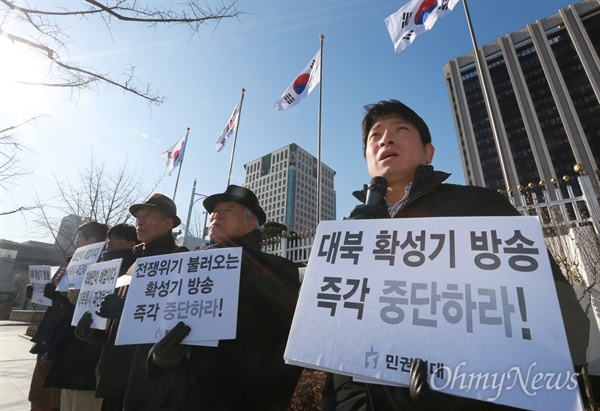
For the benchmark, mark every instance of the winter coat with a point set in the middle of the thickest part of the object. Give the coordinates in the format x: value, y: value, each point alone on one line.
x: 144, y: 394
x: 114, y: 363
x: 246, y: 373
x: 430, y: 197
x: 74, y: 360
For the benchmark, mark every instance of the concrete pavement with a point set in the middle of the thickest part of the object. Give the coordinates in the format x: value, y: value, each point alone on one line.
x: 16, y: 366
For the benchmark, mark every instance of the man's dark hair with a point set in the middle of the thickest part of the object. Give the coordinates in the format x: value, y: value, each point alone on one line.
x: 123, y: 230
x: 374, y: 112
x: 93, y: 229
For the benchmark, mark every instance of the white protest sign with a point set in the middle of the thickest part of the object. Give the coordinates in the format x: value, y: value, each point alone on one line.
x: 99, y: 280
x: 474, y: 297
x: 200, y: 288
x: 123, y: 281
x: 39, y: 276
x: 83, y: 256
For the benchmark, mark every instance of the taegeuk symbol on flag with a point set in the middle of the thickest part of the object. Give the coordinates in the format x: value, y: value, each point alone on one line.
x: 414, y: 18
x: 229, y: 128
x: 304, y: 83
x: 174, y: 156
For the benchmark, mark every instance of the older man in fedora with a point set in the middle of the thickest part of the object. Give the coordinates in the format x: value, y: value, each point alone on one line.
x: 247, y: 373
x: 155, y: 219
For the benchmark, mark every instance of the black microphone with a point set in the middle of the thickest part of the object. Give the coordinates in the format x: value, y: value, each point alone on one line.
x: 376, y: 190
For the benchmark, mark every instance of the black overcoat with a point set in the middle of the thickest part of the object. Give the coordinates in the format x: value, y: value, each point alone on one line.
x: 247, y: 373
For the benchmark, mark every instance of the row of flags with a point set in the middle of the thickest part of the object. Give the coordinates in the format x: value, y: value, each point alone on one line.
x: 412, y: 19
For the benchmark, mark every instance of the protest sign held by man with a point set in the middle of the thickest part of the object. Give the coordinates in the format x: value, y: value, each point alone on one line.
x: 397, y: 147
x: 113, y: 365
x: 74, y: 361
x: 155, y: 219
x: 247, y: 372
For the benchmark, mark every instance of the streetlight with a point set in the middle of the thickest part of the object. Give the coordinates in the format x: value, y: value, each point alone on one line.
x: 187, y: 224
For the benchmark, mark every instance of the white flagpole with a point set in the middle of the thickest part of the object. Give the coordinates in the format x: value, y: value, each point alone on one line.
x: 319, y: 143
x: 486, y: 98
x: 181, y: 163
x: 237, y: 127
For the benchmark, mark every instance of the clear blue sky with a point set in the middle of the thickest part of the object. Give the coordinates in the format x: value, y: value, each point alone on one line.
x: 262, y: 51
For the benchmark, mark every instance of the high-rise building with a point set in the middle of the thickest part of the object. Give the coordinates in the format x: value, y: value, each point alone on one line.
x: 66, y: 233
x: 544, y: 87
x: 285, y: 182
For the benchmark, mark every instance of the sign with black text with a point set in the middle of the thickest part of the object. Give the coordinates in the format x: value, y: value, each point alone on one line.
x: 472, y: 297
x: 99, y: 280
x: 83, y: 256
x: 39, y: 276
x: 200, y: 288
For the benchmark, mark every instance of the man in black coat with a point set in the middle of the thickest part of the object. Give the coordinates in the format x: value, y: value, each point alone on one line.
x: 114, y: 363
x: 74, y: 361
x: 246, y: 373
x: 155, y: 219
x: 397, y: 146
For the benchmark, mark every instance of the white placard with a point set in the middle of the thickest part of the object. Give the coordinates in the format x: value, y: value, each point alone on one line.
x: 39, y: 276
x: 123, y: 281
x: 200, y: 288
x: 83, y: 256
x: 474, y: 297
x: 99, y: 280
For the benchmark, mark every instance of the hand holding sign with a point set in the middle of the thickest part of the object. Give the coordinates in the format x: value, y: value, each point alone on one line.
x: 111, y: 306
x: 420, y: 392
x: 51, y: 293
x: 85, y: 332
x: 169, y: 351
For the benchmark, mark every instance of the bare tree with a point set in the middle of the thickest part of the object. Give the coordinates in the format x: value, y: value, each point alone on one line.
x: 98, y: 192
x: 197, y: 225
x: 577, y: 253
x: 43, y: 28
x: 10, y: 165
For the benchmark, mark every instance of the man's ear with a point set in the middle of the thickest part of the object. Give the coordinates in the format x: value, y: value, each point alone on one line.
x: 429, y: 151
x: 172, y: 223
x: 251, y: 223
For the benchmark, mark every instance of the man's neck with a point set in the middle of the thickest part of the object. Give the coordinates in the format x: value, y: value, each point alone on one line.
x: 396, y: 192
x: 157, y: 240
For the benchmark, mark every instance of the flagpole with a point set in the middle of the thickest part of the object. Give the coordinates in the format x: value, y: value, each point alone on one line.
x: 235, y: 136
x: 189, y: 216
x: 319, y: 133
x: 180, y: 165
x: 486, y: 98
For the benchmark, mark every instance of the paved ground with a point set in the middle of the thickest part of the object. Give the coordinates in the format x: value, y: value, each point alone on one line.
x: 16, y: 366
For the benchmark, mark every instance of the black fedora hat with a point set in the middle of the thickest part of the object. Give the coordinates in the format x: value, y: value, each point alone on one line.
x: 161, y: 202
x: 240, y: 195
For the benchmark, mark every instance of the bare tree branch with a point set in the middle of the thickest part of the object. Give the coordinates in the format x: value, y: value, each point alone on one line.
x: 98, y: 191
x: 43, y: 31
x: 18, y: 210
x: 10, y: 168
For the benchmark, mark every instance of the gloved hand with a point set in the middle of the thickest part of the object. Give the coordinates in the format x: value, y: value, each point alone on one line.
x: 111, y: 306
x: 364, y: 212
x: 85, y: 332
x: 169, y: 351
x: 29, y: 291
x: 51, y: 293
x: 420, y: 392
